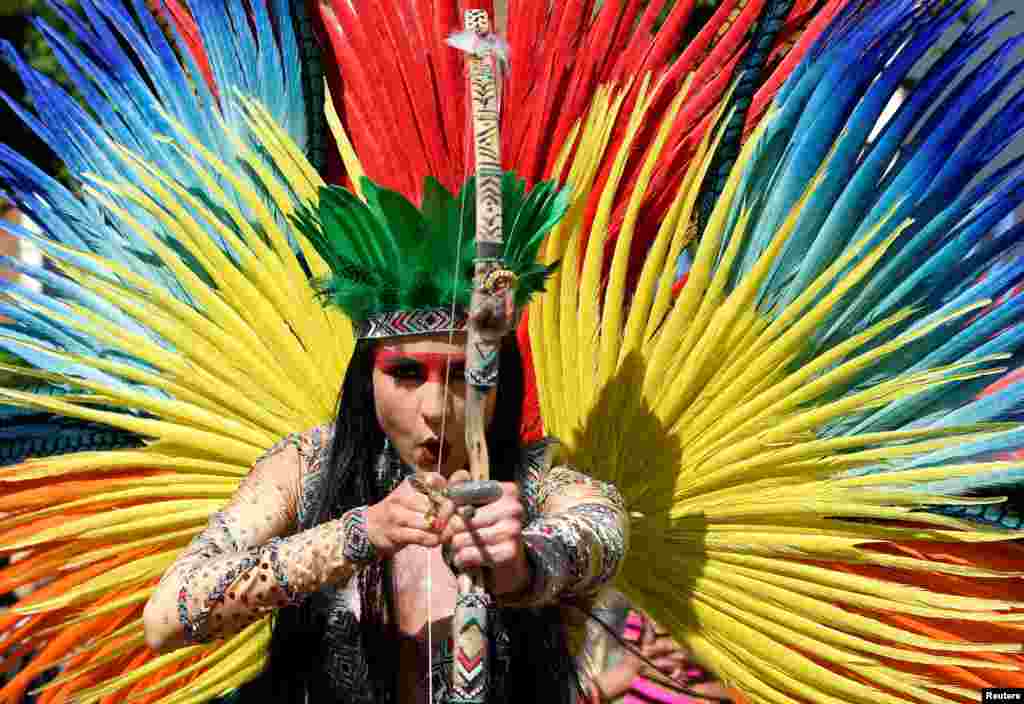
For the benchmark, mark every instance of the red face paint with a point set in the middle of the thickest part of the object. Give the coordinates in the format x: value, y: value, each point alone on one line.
x: 421, y: 367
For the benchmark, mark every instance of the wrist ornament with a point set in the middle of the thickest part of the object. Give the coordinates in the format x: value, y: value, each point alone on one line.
x: 356, y: 547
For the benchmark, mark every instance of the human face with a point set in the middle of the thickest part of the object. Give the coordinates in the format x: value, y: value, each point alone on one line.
x: 419, y: 388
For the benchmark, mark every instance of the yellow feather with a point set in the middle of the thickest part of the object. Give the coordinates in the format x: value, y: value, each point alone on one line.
x: 190, y: 440
x: 586, y: 306
x: 733, y: 417
x: 96, y: 693
x: 219, y: 311
x: 258, y: 312
x: 269, y: 269
x: 164, y: 487
x: 221, y: 657
x: 665, y: 344
x: 558, y: 307
x: 116, y: 460
x: 131, y: 520
x: 607, y: 347
x: 232, y: 360
x: 883, y: 596
x: 138, y: 570
x: 178, y: 538
x: 243, y: 660
x: 139, y: 596
x: 175, y: 410
x: 831, y: 625
x: 612, y: 343
x: 353, y: 167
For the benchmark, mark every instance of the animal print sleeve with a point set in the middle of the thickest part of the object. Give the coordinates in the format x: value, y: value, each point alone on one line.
x: 250, y: 560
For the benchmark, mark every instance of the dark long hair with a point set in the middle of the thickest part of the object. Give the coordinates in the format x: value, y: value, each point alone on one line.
x: 540, y: 665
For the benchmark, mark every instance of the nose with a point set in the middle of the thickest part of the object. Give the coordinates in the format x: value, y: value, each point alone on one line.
x: 434, y: 399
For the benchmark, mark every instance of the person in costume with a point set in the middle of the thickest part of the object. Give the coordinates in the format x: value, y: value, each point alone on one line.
x: 329, y: 524
x: 811, y: 481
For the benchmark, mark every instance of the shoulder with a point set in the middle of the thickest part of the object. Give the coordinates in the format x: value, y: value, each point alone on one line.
x: 309, y: 447
x: 313, y: 449
x: 541, y: 480
x: 294, y: 464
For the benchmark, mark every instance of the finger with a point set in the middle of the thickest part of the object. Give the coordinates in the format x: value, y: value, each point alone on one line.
x: 667, y: 642
x: 433, y: 480
x: 409, y: 496
x: 665, y: 664
x: 505, y: 507
x: 459, y: 475
x: 663, y: 648
x: 711, y: 689
x: 459, y: 523
x: 481, y: 556
x: 490, y: 535
x: 406, y: 518
x: 443, y: 514
x: 411, y: 536
x: 647, y: 632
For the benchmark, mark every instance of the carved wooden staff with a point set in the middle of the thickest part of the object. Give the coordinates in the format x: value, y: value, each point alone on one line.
x: 491, y: 317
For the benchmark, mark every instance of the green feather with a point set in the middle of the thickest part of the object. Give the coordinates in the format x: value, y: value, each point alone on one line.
x: 387, y: 255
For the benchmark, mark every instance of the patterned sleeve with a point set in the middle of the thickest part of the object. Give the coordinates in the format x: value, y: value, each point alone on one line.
x: 576, y: 536
x: 250, y: 560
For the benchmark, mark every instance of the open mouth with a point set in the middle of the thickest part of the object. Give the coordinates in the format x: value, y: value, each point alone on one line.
x: 434, y: 452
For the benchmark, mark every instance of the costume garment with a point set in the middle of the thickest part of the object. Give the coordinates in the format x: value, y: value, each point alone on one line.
x: 811, y: 472
x: 238, y: 570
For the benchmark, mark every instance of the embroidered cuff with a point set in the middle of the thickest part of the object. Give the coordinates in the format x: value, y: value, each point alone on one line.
x: 572, y: 554
x: 549, y: 562
x: 355, y: 541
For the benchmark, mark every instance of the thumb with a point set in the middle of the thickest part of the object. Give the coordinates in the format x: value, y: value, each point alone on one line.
x: 647, y: 636
x: 461, y: 475
x: 434, y: 480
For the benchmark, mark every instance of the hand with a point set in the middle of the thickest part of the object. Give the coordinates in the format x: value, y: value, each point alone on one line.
x: 659, y: 648
x: 492, y: 537
x: 407, y: 517
x: 670, y: 660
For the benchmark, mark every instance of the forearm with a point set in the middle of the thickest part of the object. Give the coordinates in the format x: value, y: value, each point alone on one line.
x: 208, y: 597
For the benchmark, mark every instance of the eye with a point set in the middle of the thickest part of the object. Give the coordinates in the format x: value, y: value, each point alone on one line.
x: 406, y: 371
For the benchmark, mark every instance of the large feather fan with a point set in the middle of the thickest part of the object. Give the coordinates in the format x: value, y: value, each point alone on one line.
x: 798, y: 433
x: 789, y: 432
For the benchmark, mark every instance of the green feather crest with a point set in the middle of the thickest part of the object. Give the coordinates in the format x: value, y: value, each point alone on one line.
x: 386, y: 255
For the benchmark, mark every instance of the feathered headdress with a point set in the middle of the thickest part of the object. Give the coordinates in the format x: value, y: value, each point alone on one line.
x: 401, y: 270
